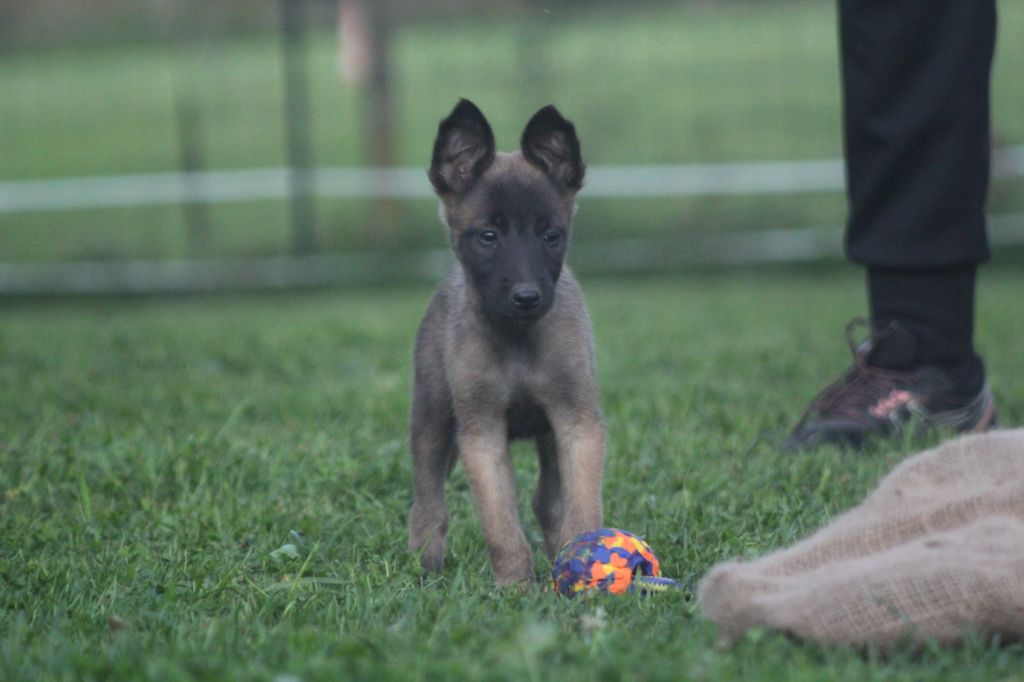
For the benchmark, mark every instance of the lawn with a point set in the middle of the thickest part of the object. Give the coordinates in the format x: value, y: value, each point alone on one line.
x: 685, y: 83
x: 154, y: 453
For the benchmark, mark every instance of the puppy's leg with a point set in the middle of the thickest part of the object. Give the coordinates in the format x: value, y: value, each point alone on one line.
x: 485, y: 456
x: 547, y: 499
x: 580, y: 440
x: 433, y: 454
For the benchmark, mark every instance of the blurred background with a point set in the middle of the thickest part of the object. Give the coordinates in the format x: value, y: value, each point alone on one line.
x: 175, y: 145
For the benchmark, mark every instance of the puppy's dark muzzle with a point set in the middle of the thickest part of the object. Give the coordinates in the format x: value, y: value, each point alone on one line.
x: 525, y: 299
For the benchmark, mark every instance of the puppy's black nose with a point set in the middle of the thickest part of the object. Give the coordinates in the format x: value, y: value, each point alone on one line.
x: 525, y: 297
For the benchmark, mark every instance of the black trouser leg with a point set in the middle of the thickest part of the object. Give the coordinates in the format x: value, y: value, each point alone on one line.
x: 915, y: 76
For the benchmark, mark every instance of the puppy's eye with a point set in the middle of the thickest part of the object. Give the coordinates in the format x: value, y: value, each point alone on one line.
x: 487, y: 237
x: 552, y: 237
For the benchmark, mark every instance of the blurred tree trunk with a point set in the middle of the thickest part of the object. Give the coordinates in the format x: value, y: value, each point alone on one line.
x: 365, y: 34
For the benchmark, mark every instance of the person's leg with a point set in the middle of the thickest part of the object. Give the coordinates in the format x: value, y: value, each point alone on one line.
x: 915, y: 77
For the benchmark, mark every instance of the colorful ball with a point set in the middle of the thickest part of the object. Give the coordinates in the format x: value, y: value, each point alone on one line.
x: 606, y: 559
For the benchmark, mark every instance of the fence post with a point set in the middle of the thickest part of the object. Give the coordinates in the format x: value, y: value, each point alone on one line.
x: 191, y: 157
x: 300, y: 149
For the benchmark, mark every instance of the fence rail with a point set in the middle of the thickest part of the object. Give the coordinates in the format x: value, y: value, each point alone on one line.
x: 619, y: 181
x: 617, y: 256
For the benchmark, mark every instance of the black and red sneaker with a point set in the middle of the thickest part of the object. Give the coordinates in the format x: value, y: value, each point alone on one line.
x: 883, y: 394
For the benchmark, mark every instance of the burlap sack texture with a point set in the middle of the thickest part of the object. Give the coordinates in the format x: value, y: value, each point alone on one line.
x: 935, y: 551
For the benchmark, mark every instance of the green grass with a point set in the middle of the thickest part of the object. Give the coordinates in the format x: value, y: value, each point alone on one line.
x: 154, y: 453
x: 694, y: 82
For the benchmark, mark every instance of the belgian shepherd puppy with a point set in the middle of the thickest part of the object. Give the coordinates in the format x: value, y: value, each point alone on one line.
x: 505, y: 349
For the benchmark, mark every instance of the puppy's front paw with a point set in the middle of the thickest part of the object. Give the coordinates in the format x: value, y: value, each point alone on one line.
x: 432, y: 557
x: 514, y: 567
x: 426, y: 536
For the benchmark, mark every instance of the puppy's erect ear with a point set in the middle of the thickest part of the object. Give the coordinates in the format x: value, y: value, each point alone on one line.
x: 549, y: 142
x: 463, y: 150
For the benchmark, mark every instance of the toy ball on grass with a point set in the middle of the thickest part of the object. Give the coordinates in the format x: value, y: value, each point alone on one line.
x: 607, y: 560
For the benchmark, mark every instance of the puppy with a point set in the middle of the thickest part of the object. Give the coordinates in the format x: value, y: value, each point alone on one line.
x: 505, y: 349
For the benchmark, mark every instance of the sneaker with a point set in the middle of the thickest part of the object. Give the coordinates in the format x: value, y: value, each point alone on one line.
x: 872, y: 399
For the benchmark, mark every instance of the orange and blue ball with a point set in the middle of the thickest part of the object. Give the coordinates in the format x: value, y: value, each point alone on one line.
x: 607, y: 560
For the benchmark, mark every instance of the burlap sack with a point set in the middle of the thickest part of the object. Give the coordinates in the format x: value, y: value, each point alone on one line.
x: 935, y: 551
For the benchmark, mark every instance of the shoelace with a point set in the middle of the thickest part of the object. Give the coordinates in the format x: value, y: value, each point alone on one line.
x: 860, y: 387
